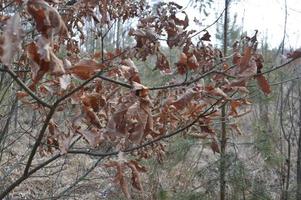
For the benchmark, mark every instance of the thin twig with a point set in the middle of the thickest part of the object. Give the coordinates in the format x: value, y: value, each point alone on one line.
x: 39, y: 139
x: 24, y: 87
x: 203, y: 114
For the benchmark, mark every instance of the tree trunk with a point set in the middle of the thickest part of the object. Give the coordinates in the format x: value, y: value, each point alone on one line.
x: 223, y: 118
x: 299, y: 151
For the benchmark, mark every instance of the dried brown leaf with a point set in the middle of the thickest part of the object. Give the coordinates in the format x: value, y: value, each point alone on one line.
x: 214, y: 146
x: 11, y: 40
x: 263, y: 83
x: 48, y: 20
x: 295, y: 54
x: 85, y: 69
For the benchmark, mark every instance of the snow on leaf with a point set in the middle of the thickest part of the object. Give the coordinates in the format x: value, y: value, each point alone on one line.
x: 11, y: 39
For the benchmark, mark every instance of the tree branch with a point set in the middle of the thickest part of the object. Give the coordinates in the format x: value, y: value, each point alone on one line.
x: 24, y: 87
x: 25, y: 176
x: 39, y: 139
x: 203, y: 114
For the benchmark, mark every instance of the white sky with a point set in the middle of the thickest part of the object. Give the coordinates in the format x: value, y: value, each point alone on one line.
x: 267, y: 16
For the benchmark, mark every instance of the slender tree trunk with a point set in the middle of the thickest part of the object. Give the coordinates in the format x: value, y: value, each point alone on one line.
x: 118, y: 33
x: 223, y: 118
x: 299, y: 150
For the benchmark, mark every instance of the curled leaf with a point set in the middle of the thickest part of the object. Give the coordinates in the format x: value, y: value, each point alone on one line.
x: 48, y: 20
x: 263, y: 83
x: 11, y: 39
x: 295, y: 54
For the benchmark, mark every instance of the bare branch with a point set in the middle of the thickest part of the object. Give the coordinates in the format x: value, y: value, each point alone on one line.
x: 24, y: 87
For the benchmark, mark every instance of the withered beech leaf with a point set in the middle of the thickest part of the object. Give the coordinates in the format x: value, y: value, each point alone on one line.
x: 183, y: 59
x: 182, y: 63
x: 120, y: 177
x: 57, y: 139
x: 117, y: 123
x: 43, y: 60
x: 206, y: 37
x: 93, y: 100
x: 234, y: 105
x: 94, y: 136
x: 21, y: 94
x: 135, y: 177
x: 39, y: 66
x: 162, y: 63
x: 295, y: 54
x: 236, y: 58
x: 129, y: 70
x: 139, y: 89
x: 91, y: 116
x: 245, y: 58
x: 236, y: 128
x: 11, y: 39
x: 85, y: 69
x: 214, y: 146
x: 250, y: 70
x: 192, y: 62
x: 48, y: 20
x: 185, y: 99
x: 216, y: 91
x: 138, y: 166
x: 64, y: 141
x: 263, y: 83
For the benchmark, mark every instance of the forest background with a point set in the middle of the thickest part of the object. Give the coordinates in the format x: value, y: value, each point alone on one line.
x: 124, y: 100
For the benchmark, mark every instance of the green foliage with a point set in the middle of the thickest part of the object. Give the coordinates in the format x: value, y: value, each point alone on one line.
x: 163, y: 195
x: 237, y: 179
x: 265, y: 143
x: 259, y: 191
x: 234, y: 32
x: 178, y: 150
